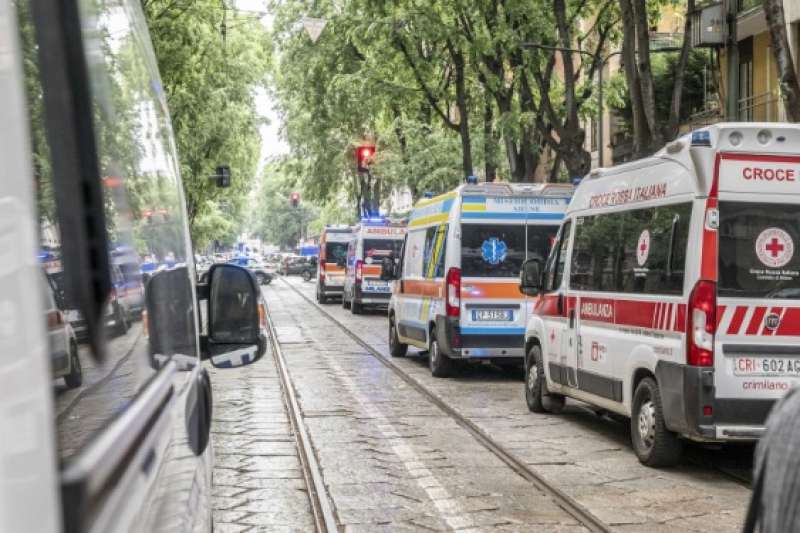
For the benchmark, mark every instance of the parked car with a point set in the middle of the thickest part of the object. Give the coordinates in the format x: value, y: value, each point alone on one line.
x: 296, y: 265
x: 81, y: 95
x: 62, y: 343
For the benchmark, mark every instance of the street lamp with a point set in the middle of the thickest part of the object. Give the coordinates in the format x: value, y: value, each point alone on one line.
x: 603, y: 61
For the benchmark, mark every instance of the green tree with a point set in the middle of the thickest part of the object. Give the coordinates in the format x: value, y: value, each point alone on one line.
x: 211, y: 59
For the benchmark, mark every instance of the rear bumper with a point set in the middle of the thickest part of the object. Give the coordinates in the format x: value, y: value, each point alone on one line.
x: 331, y: 290
x: 455, y: 344
x: 687, y: 390
x: 372, y: 298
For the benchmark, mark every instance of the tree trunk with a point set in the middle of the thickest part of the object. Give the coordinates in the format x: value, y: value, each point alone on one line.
x: 463, y: 109
x: 641, y: 137
x: 489, y: 140
x: 680, y: 75
x: 787, y: 76
x: 646, y: 73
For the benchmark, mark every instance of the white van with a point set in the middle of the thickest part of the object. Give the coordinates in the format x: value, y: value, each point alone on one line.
x: 374, y: 240
x: 457, y: 293
x: 332, y: 253
x: 113, y: 435
x: 672, y: 295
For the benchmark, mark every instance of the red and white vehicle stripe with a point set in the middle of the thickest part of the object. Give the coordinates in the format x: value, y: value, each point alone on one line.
x: 748, y: 320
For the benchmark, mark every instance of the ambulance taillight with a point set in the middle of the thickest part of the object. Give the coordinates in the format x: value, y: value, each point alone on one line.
x: 453, y: 286
x: 702, y: 324
x: 359, y: 271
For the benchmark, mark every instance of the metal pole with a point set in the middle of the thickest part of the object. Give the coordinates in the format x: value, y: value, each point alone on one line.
x: 732, y: 107
x: 600, y: 147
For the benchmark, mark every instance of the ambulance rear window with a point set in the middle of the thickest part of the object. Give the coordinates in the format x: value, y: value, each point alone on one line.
x: 492, y: 250
x: 335, y: 252
x: 377, y: 249
x: 758, y: 255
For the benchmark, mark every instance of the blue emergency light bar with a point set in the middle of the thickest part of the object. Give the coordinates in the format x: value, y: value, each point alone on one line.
x: 374, y: 220
x: 701, y: 138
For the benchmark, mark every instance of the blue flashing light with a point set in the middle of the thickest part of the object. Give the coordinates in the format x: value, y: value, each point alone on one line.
x: 373, y: 220
x: 427, y: 194
x: 576, y: 181
x: 472, y: 180
x: 701, y: 138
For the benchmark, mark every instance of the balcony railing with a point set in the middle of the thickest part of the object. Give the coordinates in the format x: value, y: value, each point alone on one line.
x: 747, y: 5
x: 764, y: 107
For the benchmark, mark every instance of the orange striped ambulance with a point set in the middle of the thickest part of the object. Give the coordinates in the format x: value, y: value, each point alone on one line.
x: 374, y: 240
x: 332, y: 253
x: 456, y: 290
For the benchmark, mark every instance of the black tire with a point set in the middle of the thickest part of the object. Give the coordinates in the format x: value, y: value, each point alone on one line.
x: 267, y: 279
x: 654, y: 444
x: 75, y: 377
x: 261, y: 278
x: 306, y: 275
x: 345, y: 301
x: 534, y: 380
x: 121, y: 321
x: 538, y: 398
x: 396, y: 348
x: 321, y: 298
x: 355, y: 307
x: 441, y: 366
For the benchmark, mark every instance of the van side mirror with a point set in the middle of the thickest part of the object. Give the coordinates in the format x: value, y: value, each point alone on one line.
x: 530, y: 277
x: 388, y: 271
x: 235, y: 315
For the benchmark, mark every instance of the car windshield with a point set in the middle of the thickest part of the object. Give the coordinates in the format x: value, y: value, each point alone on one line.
x: 497, y: 251
x: 757, y: 250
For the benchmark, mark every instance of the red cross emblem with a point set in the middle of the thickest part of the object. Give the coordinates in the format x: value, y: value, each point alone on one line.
x: 775, y: 247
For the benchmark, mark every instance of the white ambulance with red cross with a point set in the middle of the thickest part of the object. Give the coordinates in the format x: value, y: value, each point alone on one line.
x: 672, y: 294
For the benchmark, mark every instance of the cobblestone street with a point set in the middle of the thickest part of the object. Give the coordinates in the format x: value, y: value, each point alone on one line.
x: 393, y: 460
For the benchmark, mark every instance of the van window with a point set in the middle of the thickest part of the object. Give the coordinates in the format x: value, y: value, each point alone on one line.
x: 758, y: 255
x: 414, y: 250
x: 554, y: 269
x: 492, y: 251
x: 375, y: 250
x: 144, y: 217
x: 335, y: 252
x: 435, y: 247
x: 636, y: 251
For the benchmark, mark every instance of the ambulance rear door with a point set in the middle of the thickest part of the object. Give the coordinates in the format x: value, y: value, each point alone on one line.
x: 757, y: 344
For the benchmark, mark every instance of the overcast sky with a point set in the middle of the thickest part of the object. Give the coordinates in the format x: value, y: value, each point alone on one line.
x: 271, y: 145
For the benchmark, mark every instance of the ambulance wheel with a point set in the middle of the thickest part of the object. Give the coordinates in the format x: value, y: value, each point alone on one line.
x: 321, y: 298
x: 396, y: 348
x: 355, y: 307
x: 654, y: 444
x: 537, y: 397
x: 75, y: 377
x: 345, y: 302
x: 441, y: 366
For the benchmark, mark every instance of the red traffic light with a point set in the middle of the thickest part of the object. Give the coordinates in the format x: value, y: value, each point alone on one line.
x: 364, y: 155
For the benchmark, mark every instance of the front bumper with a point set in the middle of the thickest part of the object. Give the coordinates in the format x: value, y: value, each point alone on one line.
x: 687, y: 390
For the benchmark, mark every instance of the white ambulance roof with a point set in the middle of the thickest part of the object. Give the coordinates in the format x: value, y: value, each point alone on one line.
x: 683, y: 167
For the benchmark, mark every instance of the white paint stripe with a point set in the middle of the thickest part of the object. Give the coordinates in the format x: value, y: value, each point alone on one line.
x: 673, y: 317
x: 659, y: 308
x: 726, y: 319
x: 746, y: 322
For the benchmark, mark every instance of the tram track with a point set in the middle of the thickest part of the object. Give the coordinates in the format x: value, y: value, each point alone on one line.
x: 321, y: 504
x: 563, y: 500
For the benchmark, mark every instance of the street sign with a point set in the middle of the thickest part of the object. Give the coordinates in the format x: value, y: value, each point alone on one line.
x: 314, y: 27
